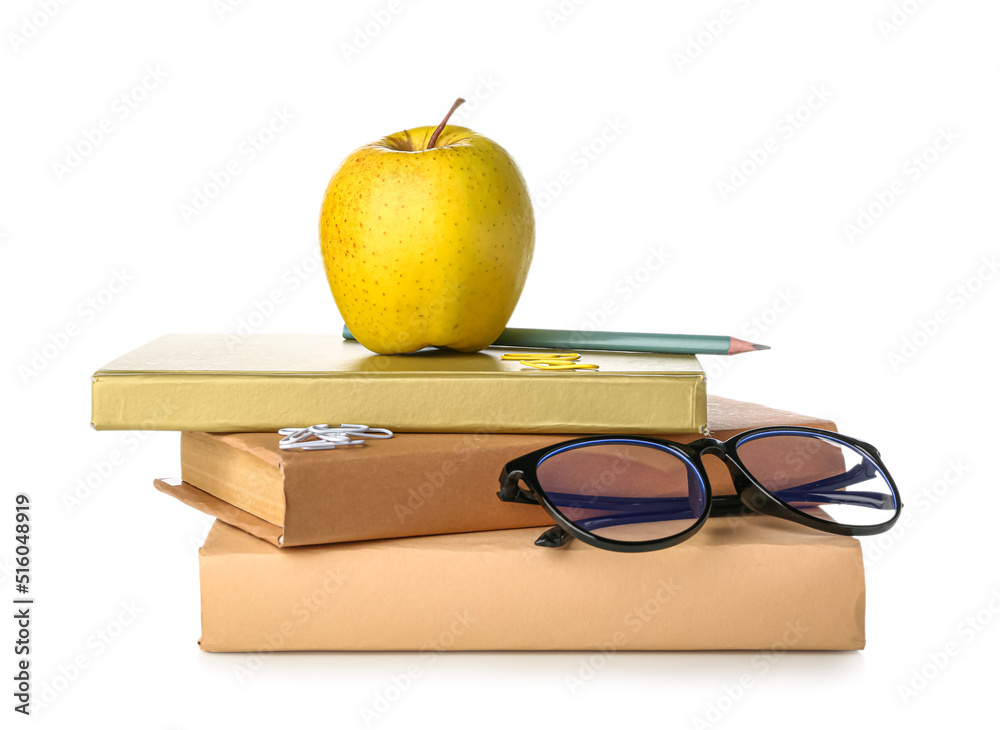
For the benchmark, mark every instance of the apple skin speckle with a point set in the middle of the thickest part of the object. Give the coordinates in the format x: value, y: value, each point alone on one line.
x: 438, y: 291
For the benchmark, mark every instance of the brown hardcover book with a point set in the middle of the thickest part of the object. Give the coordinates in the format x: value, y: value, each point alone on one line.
x: 412, y: 484
x: 752, y: 583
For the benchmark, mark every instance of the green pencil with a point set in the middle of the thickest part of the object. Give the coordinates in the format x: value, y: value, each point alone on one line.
x: 621, y: 341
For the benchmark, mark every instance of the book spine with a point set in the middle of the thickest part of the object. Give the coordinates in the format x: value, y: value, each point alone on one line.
x: 481, y: 591
x: 416, y: 484
x: 459, y: 403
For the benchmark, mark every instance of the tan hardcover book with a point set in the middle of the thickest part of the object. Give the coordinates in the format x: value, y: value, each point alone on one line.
x: 225, y: 383
x: 751, y: 583
x: 412, y: 484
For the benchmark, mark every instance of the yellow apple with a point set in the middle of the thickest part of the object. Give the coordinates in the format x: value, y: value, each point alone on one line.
x: 427, y: 237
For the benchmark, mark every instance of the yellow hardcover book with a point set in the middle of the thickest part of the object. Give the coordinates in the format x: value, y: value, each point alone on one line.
x: 222, y: 383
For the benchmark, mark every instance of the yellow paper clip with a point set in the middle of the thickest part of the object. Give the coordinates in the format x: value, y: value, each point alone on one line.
x: 559, y: 365
x: 522, y: 356
x: 549, y: 360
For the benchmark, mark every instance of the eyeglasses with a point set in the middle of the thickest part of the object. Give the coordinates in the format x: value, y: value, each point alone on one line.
x: 637, y: 493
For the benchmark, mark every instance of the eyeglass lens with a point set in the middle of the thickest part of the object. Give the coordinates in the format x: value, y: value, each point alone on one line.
x: 624, y: 490
x: 820, y: 476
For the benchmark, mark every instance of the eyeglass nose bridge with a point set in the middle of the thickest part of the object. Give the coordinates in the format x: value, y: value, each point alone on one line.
x: 751, y: 493
x: 710, y: 446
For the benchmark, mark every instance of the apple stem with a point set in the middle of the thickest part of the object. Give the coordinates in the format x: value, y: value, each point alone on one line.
x: 437, y: 132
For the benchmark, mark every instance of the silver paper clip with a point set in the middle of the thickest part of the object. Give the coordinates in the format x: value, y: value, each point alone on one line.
x: 322, y: 437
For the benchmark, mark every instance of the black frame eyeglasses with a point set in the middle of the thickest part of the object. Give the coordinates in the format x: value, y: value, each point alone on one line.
x: 802, y: 498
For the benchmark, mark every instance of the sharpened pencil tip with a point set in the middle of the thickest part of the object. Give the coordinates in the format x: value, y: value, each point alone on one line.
x: 736, y: 346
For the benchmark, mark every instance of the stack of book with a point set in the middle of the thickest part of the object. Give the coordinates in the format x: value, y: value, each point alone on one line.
x: 402, y: 544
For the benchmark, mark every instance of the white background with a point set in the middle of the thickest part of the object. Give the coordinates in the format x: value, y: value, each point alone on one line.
x: 770, y: 259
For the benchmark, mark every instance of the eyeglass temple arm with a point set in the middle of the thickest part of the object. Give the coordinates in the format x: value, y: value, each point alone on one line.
x: 558, y: 536
x: 812, y: 492
x: 636, y: 509
x: 723, y: 506
x: 825, y: 490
